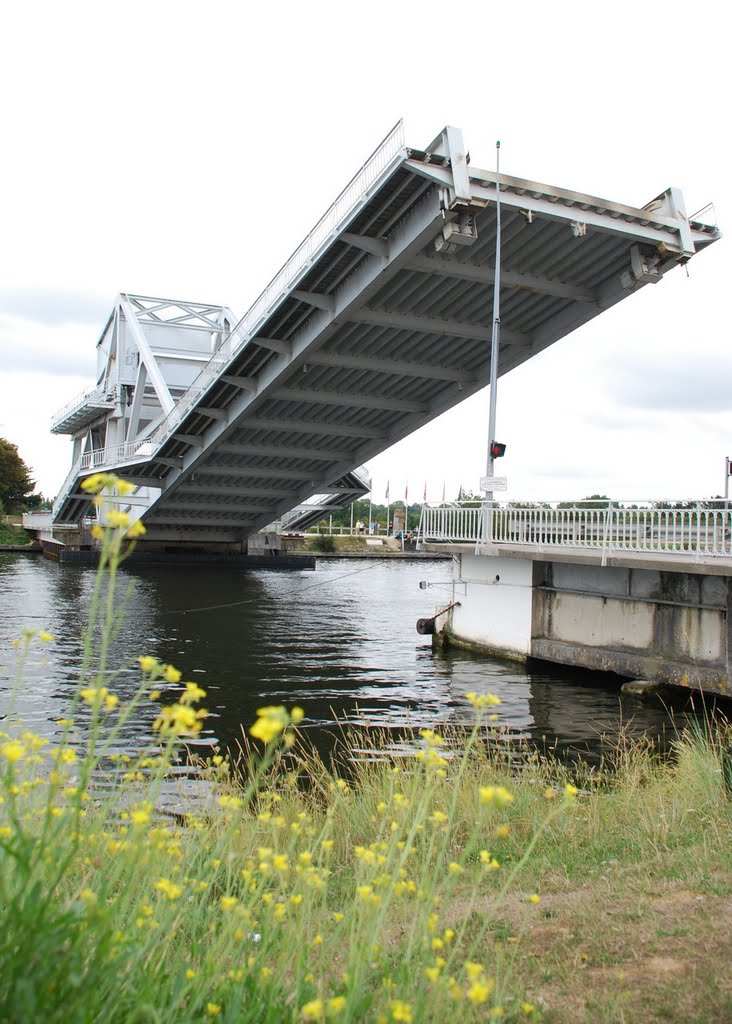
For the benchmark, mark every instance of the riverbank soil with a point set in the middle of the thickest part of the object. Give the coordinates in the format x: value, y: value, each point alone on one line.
x: 631, y: 946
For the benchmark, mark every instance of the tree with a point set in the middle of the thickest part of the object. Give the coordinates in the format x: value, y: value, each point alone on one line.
x: 16, y: 486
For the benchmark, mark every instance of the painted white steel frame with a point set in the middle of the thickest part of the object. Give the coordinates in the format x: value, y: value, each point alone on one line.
x: 199, y: 431
x: 698, y: 530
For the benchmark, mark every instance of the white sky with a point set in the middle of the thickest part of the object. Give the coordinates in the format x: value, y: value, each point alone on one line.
x: 183, y: 149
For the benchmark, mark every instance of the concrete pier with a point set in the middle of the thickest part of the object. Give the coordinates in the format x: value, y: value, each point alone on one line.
x: 660, y: 618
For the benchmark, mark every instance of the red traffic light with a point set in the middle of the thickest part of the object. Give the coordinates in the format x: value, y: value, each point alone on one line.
x: 497, y: 449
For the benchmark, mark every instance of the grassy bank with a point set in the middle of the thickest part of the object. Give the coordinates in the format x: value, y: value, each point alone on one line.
x: 13, y: 535
x: 437, y: 884
x: 413, y: 890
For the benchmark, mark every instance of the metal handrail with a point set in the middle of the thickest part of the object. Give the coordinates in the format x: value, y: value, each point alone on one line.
x: 702, y: 530
x: 86, y: 397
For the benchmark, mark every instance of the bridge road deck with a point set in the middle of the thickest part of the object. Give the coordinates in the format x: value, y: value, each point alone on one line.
x: 378, y: 323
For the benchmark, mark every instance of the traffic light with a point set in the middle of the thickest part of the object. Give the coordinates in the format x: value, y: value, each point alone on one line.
x: 497, y: 449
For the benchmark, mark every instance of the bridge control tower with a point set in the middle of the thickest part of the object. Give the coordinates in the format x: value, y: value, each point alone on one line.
x: 377, y: 323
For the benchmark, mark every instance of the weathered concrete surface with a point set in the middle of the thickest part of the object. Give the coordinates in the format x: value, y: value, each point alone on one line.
x: 655, y: 622
x: 663, y: 626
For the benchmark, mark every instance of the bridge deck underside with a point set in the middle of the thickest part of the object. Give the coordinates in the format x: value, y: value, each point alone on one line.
x: 380, y: 335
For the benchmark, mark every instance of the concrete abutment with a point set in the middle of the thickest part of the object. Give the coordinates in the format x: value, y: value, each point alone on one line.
x: 665, y: 623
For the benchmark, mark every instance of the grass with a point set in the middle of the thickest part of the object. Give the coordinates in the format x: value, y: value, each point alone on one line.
x: 13, y: 535
x: 439, y: 883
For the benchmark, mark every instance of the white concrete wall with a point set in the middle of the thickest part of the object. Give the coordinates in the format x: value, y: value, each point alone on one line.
x: 495, y: 610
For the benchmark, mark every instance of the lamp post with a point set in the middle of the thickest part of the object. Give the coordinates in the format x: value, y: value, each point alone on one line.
x: 495, y: 342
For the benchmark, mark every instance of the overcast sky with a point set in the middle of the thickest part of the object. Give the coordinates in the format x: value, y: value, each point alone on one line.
x: 183, y: 149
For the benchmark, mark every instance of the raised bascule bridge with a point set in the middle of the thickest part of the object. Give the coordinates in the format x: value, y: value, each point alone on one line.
x: 378, y: 322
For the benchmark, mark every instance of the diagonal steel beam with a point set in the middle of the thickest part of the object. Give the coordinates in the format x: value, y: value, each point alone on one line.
x: 146, y: 355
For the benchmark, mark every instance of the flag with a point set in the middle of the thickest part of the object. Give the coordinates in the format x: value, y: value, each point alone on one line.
x: 386, y: 496
x: 406, y: 494
x: 424, y: 496
x: 443, y: 490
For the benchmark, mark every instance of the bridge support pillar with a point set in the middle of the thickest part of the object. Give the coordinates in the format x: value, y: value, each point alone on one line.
x: 661, y: 622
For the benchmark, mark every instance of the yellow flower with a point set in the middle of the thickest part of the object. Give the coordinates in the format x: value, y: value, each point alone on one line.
x: 527, y: 1008
x: 171, y: 675
x: 549, y: 793
x: 335, y: 1006
x: 193, y: 693
x: 570, y: 791
x: 480, y: 990
x: 46, y: 638
x: 170, y: 889
x: 12, y: 751
x: 401, y: 1011
x: 495, y: 794
x: 228, y: 902
x: 190, y: 974
x: 473, y: 970
x: 94, y: 483
x: 141, y: 815
x: 271, y: 721
x: 312, y: 1010
x: 213, y: 1009
x: 136, y: 530
x: 433, y: 973
x: 147, y: 664
x: 454, y: 868
x: 483, y: 700
x: 117, y: 519
x: 179, y: 720
x: 534, y: 898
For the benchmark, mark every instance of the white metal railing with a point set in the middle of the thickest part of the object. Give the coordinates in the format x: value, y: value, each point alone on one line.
x: 452, y: 523
x: 92, y: 396
x: 116, y: 453
x: 700, y: 529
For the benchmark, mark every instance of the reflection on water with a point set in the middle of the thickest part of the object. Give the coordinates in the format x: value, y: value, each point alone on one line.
x: 340, y: 641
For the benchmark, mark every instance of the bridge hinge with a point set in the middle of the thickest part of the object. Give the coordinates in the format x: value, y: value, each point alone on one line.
x: 458, y: 232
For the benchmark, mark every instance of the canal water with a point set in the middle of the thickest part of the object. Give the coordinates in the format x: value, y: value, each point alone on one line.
x: 339, y: 641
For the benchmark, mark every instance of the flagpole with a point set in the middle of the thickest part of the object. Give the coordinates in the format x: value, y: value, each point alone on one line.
x: 406, y: 514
